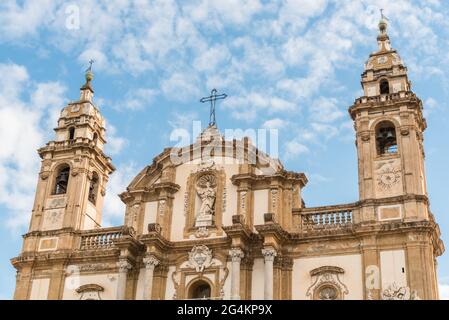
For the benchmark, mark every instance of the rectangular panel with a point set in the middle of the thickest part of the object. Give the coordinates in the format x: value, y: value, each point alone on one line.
x: 257, y: 280
x: 47, y: 244
x: 39, y: 289
x: 389, y: 212
x: 150, y: 215
x: 260, y: 205
x: 392, y: 268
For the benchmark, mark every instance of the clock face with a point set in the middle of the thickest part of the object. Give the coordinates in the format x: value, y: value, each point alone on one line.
x: 388, y: 177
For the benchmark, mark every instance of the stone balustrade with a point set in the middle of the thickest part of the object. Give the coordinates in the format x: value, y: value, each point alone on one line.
x: 327, y: 218
x: 100, y: 238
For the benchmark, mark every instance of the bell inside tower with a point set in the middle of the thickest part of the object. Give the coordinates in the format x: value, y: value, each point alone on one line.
x: 386, y: 139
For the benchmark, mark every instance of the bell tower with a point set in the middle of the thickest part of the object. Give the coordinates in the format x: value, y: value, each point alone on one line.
x: 74, y: 169
x: 389, y: 126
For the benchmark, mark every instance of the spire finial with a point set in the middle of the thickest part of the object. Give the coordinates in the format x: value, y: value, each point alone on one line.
x: 89, y: 73
x: 383, y: 23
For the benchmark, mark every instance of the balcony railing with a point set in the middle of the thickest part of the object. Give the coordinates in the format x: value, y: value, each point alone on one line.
x: 385, y: 97
x: 100, y: 238
x: 327, y: 218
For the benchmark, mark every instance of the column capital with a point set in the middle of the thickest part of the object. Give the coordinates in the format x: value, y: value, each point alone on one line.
x: 150, y: 261
x: 123, y: 265
x: 269, y: 253
x: 236, y: 254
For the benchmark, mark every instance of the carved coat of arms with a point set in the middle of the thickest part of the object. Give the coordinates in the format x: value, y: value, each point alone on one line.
x: 200, y: 258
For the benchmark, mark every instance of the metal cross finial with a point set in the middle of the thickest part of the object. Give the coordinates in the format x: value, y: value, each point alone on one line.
x: 212, y: 98
x: 382, y: 14
x: 91, y: 62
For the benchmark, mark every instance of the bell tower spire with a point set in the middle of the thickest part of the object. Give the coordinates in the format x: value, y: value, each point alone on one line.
x: 75, y: 170
x: 389, y: 123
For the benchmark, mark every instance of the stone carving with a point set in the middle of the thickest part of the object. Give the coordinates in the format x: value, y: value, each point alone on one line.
x: 94, y: 267
x: 236, y: 254
x: 274, y: 193
x: 150, y: 261
x: 397, y: 292
x: 207, y: 191
x: 269, y: 253
x: 223, y: 280
x: 123, y: 265
x: 327, y: 284
x: 242, y: 201
x: 202, y: 232
x: 200, y: 258
x: 388, y: 177
x: 186, y: 203
x: 133, y: 213
x: 175, y: 277
x: 161, y: 207
x: 90, y: 292
x: 224, y: 199
x: 207, y: 166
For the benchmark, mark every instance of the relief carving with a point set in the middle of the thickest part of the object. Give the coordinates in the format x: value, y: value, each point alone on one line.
x: 397, y: 292
x: 388, y: 177
x: 200, y: 258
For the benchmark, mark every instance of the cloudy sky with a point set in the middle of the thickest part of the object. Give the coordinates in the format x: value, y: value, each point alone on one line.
x: 289, y: 65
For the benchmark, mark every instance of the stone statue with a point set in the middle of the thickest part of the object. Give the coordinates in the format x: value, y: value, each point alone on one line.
x: 206, y: 189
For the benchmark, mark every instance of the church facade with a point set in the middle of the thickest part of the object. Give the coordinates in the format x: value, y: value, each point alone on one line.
x: 222, y: 220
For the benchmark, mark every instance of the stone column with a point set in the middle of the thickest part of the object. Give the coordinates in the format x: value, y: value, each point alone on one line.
x: 269, y: 253
x: 123, y: 267
x: 236, y: 257
x: 150, y: 262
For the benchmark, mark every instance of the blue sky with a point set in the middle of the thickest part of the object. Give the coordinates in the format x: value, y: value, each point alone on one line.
x: 290, y: 65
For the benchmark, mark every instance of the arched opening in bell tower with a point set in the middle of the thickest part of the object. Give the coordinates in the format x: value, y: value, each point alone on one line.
x: 62, y: 180
x: 71, y: 133
x: 384, y: 87
x: 386, y: 140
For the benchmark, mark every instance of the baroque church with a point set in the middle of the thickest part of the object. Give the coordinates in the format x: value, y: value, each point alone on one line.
x: 220, y: 219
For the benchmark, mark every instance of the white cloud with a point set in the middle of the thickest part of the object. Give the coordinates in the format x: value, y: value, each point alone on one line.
x: 275, y: 123
x: 23, y: 111
x: 294, y: 148
x: 115, y: 143
x: 444, y: 291
x: 325, y: 110
x: 180, y: 87
x: 247, y: 106
x: 114, y: 208
x: 19, y: 20
x: 100, y: 59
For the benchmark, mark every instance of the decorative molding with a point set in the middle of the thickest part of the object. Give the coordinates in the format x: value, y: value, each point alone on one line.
x: 90, y: 291
x: 327, y: 284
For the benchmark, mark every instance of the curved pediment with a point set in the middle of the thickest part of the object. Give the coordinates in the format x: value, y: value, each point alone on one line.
x: 209, y: 149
